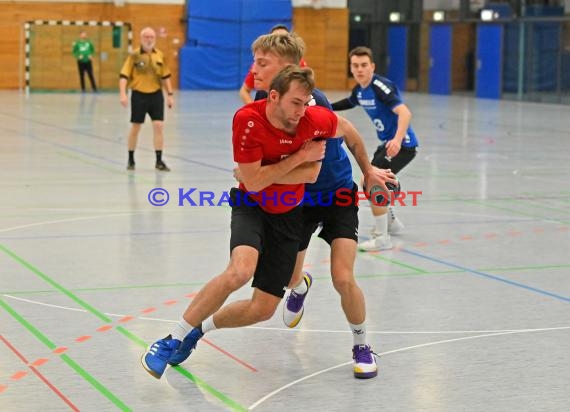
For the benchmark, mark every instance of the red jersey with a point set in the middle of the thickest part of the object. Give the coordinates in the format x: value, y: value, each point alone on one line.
x: 249, y: 81
x: 254, y: 139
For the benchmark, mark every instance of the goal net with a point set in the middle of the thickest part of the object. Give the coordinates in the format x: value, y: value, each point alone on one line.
x: 49, y: 61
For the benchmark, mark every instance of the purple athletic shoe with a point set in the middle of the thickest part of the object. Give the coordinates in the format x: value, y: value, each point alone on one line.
x: 293, y: 308
x: 364, y: 362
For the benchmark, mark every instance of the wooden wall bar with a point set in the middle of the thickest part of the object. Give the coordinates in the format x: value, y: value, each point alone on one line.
x: 325, y: 32
x: 13, y: 15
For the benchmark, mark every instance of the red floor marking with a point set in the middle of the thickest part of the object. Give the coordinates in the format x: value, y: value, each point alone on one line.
x: 538, y: 230
x: 104, y: 328
x: 230, y: 355
x: 59, y: 350
x: 38, y: 374
x: 191, y: 295
x: 18, y: 375
x: 490, y: 235
x: 82, y: 338
x: 466, y: 237
x: 170, y: 302
x: 148, y: 310
x: 421, y: 244
x: 514, y: 233
x: 564, y: 229
x: 39, y: 362
x: 126, y: 319
x: 444, y: 242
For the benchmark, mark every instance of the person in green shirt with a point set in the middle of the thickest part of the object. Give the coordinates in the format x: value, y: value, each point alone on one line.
x: 83, y: 51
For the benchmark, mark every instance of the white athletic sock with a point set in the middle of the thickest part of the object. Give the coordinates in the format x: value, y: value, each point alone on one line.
x: 381, y: 223
x: 358, y: 333
x: 208, y: 325
x: 301, y: 288
x: 181, y: 329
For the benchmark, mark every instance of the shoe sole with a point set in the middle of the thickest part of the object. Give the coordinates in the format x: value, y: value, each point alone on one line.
x: 146, y: 368
x: 366, y: 375
x: 296, y: 320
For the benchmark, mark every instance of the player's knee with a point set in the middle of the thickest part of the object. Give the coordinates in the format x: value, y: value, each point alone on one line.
x: 236, y: 277
x: 343, y: 283
x: 264, y: 311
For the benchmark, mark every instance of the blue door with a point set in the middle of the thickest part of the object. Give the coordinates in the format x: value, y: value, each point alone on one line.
x: 489, y: 61
x: 440, y: 59
x: 397, y: 68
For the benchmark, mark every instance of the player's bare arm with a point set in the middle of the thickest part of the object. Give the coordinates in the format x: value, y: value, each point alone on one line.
x: 355, y: 143
x: 256, y: 177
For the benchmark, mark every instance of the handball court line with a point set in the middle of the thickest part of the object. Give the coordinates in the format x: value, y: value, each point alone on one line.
x: 488, y: 276
x: 32, y: 367
x: 404, y: 349
x: 128, y: 334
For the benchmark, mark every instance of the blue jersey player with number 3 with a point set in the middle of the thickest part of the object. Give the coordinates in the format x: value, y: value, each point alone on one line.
x: 381, y: 100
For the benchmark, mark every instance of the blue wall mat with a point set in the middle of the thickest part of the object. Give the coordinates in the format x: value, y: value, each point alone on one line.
x: 203, y: 68
x: 489, y: 58
x: 281, y: 11
x: 215, y: 9
x: 202, y: 32
x: 440, y: 43
x: 397, y: 69
x: 250, y: 31
x: 217, y: 54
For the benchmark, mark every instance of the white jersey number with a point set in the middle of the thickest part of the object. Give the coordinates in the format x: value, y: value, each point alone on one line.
x: 379, y: 125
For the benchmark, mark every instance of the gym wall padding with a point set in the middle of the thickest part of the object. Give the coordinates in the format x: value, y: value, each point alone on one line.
x: 226, y: 28
x: 204, y: 68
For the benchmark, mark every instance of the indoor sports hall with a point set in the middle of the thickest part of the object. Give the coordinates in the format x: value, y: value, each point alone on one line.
x: 470, y: 309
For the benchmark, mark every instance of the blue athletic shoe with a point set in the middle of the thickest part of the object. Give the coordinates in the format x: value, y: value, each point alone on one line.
x: 188, y: 345
x: 156, y: 357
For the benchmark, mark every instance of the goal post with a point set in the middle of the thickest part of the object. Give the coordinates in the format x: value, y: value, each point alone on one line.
x: 49, y: 64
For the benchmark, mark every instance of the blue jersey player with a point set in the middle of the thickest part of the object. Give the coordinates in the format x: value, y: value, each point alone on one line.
x: 338, y: 220
x: 381, y: 100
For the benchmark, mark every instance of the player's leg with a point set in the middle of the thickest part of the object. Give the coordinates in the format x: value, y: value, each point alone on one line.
x: 343, y: 254
x: 301, y: 281
x: 247, y: 228
x: 399, y: 162
x: 81, y: 70
x: 379, y: 235
x: 89, y: 68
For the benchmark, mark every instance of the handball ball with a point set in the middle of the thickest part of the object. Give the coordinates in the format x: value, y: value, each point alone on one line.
x: 378, y: 195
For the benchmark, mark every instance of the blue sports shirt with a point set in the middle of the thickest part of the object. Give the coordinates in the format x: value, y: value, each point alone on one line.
x: 378, y: 99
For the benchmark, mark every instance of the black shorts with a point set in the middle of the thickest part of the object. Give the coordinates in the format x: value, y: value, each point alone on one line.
x: 338, y: 220
x: 143, y: 103
x: 404, y: 156
x: 275, y: 236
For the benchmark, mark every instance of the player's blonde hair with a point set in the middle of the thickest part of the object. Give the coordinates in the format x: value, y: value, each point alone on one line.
x: 289, y: 47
